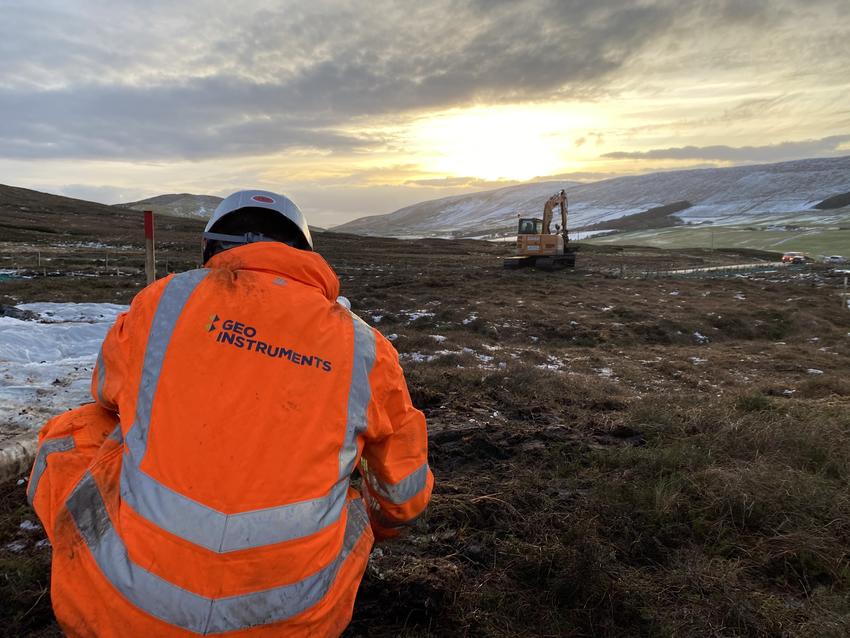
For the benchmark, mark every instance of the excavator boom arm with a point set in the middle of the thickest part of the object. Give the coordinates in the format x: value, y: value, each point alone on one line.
x: 557, y: 199
x: 564, y: 209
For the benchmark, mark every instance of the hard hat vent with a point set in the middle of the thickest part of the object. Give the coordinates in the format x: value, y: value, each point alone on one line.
x: 263, y: 199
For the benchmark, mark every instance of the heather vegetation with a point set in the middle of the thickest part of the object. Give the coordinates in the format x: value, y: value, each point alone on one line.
x: 614, y: 457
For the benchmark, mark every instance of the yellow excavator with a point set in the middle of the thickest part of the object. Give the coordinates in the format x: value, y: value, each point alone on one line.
x: 537, y: 246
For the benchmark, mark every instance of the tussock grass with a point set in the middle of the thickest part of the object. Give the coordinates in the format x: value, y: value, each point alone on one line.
x: 730, y: 518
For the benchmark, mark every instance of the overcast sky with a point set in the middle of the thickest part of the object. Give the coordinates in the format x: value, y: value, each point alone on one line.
x: 357, y: 108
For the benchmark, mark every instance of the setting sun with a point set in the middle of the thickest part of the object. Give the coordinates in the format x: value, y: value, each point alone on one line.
x: 501, y: 142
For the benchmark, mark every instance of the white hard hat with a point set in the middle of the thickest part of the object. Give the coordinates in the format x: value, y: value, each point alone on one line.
x: 274, y: 202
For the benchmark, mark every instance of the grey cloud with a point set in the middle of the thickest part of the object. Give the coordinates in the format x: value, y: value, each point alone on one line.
x: 202, y: 118
x: 453, y: 182
x: 219, y: 78
x: 769, y: 153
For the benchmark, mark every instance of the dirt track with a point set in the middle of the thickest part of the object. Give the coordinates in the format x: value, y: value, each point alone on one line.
x: 613, y: 457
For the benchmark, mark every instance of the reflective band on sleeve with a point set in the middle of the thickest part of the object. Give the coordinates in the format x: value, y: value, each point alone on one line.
x: 197, y: 523
x: 101, y: 376
x: 359, y: 394
x: 179, y: 607
x: 47, y: 448
x: 405, y: 489
x: 116, y: 434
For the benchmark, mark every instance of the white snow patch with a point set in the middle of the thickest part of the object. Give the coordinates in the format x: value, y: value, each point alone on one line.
x: 469, y: 319
x: 377, y: 318
x: 814, y: 371
x: 438, y: 338
x: 46, y: 365
x: 413, y: 315
x: 16, y: 546
x: 700, y: 338
x: 29, y: 526
x: 552, y: 363
x: 417, y: 357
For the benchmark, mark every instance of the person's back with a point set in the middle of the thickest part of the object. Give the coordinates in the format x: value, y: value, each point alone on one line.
x: 245, y: 393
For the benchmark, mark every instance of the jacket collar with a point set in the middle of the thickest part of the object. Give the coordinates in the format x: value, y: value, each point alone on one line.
x: 274, y: 257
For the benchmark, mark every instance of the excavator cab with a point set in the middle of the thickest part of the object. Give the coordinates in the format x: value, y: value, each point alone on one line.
x: 530, y: 226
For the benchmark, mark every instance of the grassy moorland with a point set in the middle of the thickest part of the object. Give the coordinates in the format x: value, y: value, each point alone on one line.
x: 813, y: 239
x: 614, y: 457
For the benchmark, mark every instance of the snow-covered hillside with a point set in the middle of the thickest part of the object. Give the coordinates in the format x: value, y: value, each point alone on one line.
x: 178, y: 205
x: 734, y: 195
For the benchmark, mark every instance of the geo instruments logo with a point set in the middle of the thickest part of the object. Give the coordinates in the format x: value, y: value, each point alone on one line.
x: 240, y: 335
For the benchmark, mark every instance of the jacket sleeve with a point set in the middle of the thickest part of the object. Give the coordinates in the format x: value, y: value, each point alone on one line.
x: 66, y: 446
x: 397, y: 480
x: 111, y: 368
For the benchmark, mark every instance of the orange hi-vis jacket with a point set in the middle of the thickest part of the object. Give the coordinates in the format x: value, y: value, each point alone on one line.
x: 207, y: 491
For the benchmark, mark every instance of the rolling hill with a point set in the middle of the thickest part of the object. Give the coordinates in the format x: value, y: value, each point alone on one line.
x: 728, y: 196
x: 178, y: 205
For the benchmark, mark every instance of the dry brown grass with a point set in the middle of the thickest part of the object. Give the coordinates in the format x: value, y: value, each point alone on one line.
x: 601, y: 469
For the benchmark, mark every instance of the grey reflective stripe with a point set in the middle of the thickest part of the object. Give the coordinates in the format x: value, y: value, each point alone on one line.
x: 47, y: 448
x: 182, y: 608
x: 168, y: 311
x: 116, y: 434
x: 359, y: 394
x: 219, y: 532
x: 405, y: 489
x: 101, y: 376
x: 197, y: 523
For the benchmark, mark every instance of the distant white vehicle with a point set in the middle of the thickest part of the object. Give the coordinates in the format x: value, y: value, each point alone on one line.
x: 835, y: 259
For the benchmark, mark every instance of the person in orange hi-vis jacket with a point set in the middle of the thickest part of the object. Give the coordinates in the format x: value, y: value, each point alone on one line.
x: 208, y: 489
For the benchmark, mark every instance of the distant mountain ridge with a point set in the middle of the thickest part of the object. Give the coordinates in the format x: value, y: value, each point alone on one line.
x: 178, y: 205
x: 731, y: 195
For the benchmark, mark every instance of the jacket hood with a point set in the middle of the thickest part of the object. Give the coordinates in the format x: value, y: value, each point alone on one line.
x: 303, y: 266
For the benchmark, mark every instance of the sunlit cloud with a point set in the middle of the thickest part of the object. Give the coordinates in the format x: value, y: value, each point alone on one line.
x: 362, y: 107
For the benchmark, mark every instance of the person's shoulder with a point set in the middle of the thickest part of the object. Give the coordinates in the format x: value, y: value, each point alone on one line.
x: 151, y: 294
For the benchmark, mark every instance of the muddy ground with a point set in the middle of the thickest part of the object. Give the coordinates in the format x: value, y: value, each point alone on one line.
x: 614, y: 457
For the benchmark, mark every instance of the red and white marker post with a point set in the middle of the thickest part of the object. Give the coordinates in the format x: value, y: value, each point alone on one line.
x: 150, y: 264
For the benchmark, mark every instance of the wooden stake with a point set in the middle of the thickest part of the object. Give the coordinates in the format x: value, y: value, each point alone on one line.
x: 150, y: 264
